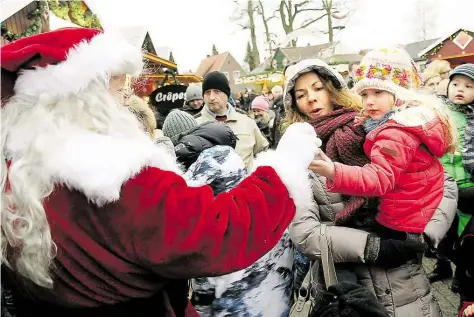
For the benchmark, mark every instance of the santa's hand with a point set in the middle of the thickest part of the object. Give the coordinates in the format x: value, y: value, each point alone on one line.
x: 469, y: 311
x: 323, y: 166
x: 299, y: 144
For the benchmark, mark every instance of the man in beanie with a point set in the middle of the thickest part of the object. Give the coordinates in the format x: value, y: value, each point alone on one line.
x: 216, y: 91
x: 264, y: 117
x: 96, y: 220
x: 194, y: 102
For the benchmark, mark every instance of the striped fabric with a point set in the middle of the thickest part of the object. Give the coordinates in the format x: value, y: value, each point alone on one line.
x: 465, y: 70
x: 468, y: 152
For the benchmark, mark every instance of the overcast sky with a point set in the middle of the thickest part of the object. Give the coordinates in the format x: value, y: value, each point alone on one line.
x: 190, y: 27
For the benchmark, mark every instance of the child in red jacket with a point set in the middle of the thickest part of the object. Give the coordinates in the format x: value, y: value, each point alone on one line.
x: 406, y: 133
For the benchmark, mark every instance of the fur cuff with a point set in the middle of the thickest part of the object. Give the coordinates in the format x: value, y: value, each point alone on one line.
x: 296, y: 180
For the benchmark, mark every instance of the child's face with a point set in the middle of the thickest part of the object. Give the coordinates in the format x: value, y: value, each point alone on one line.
x: 461, y: 90
x: 377, y: 103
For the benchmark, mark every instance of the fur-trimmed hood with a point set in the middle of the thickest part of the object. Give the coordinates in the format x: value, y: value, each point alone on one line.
x: 320, y: 67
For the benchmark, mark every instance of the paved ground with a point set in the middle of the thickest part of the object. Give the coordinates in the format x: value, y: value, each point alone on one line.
x: 448, y: 301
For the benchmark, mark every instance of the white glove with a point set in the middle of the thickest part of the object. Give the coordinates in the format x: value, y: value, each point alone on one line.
x: 299, y: 145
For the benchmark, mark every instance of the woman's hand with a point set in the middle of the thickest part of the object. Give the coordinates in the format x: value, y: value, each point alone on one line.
x: 323, y: 166
x: 390, y: 253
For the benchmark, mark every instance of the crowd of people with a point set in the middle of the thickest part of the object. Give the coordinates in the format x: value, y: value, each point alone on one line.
x: 319, y: 198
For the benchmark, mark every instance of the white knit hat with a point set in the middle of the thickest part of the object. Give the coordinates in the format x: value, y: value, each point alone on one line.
x: 389, y: 69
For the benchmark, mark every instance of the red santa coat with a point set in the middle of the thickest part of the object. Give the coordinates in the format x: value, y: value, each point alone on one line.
x: 404, y: 170
x: 139, y: 235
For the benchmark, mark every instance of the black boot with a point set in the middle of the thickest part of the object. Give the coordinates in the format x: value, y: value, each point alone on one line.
x: 430, y: 253
x: 442, y: 271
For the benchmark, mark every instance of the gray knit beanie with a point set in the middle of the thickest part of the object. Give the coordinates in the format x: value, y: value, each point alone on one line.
x: 176, y: 123
x: 194, y: 93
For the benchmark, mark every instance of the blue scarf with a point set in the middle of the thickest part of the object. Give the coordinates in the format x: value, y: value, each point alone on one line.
x: 371, y: 124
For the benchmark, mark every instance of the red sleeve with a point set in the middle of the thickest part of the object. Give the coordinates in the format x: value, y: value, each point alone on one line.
x: 391, y: 153
x: 463, y: 308
x: 183, y: 232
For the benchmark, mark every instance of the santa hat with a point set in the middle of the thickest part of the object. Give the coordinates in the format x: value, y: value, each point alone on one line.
x: 56, y: 64
x: 388, y: 69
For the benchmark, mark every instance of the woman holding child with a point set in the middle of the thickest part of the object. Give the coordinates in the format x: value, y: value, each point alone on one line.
x: 387, y: 262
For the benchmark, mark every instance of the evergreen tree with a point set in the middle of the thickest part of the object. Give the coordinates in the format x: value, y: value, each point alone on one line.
x: 214, y: 50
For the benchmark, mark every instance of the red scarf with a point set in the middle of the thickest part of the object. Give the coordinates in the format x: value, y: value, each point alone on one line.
x: 343, y: 143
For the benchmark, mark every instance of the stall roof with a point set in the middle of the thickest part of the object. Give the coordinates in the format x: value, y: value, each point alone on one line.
x: 439, y: 41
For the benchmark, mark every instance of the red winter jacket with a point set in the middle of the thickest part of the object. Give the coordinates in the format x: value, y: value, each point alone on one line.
x: 404, y: 170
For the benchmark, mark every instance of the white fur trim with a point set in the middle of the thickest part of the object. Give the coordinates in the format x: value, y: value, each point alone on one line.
x: 98, y: 165
x: 296, y: 180
x: 107, y: 54
x: 414, y: 116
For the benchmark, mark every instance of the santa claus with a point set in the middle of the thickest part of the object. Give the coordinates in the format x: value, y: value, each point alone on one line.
x: 96, y: 220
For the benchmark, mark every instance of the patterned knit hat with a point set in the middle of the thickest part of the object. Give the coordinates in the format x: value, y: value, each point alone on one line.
x: 176, y: 123
x: 389, y: 69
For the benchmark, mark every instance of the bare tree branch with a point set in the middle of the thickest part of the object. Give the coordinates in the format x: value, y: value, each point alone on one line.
x: 312, y: 21
x: 286, y: 5
x: 311, y: 9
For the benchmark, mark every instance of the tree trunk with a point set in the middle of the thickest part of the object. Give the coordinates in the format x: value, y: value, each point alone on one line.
x: 327, y: 4
x: 330, y: 29
x: 265, y: 25
x: 288, y: 27
x: 253, y: 36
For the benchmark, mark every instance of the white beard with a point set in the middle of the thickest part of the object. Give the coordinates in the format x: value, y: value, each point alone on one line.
x: 98, y: 165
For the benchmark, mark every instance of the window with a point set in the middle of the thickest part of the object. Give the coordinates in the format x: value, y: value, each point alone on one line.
x: 226, y: 75
x: 236, y: 75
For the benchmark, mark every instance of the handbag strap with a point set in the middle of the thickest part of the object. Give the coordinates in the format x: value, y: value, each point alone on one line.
x: 327, y: 259
x: 320, y: 185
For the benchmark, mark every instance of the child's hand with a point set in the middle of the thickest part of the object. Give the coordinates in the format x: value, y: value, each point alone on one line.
x: 323, y: 166
x: 469, y: 311
x: 361, y: 118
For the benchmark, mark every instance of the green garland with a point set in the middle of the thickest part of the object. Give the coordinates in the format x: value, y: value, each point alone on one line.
x: 35, y: 27
x: 72, y: 10
x: 59, y: 8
